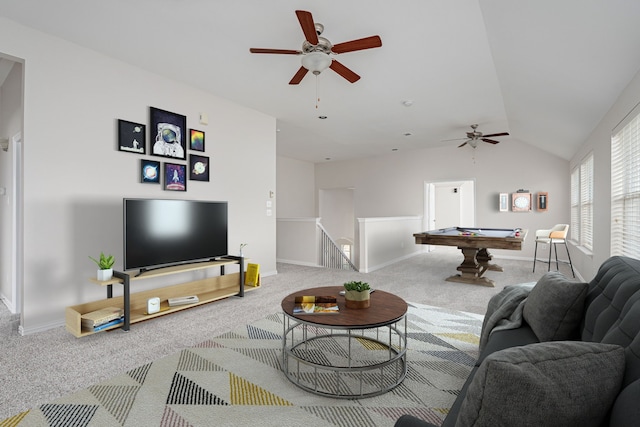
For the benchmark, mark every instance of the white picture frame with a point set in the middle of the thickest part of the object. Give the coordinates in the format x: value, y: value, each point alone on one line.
x: 503, y: 204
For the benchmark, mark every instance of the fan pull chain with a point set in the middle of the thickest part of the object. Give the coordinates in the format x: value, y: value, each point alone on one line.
x: 317, y: 96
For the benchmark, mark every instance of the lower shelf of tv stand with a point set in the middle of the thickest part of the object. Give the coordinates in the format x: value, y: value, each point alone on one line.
x: 207, y: 290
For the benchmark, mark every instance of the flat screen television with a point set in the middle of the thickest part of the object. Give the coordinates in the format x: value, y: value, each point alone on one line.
x: 160, y: 233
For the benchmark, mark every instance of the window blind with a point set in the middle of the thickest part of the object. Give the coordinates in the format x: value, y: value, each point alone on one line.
x: 574, y: 230
x: 586, y: 202
x: 625, y: 187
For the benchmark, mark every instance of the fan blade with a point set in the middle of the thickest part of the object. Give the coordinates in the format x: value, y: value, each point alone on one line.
x: 490, y: 141
x: 463, y: 144
x: 308, y: 27
x: 280, y: 51
x: 344, y: 71
x: 299, y: 76
x: 496, y: 134
x: 360, y: 44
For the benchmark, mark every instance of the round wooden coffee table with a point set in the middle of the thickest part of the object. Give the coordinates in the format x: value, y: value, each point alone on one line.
x: 355, y: 353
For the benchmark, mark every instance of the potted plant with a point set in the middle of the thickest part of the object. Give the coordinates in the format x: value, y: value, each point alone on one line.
x: 105, y: 266
x: 357, y: 294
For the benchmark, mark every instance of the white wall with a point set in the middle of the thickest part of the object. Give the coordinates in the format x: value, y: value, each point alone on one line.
x: 599, y: 142
x: 296, y: 195
x: 448, y: 206
x: 336, y: 214
x: 393, y: 185
x: 75, y: 178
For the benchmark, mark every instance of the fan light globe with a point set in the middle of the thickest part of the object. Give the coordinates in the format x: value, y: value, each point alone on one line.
x: 316, y: 62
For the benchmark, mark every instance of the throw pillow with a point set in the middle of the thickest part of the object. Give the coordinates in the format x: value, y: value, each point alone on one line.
x: 555, y: 307
x: 561, y: 383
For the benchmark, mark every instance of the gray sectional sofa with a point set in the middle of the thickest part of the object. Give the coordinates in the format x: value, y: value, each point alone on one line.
x: 557, y: 353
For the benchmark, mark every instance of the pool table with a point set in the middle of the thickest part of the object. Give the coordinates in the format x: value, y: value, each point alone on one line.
x: 474, y: 244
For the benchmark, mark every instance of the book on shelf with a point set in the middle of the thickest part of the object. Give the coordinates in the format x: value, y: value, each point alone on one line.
x: 109, y: 324
x: 99, y: 317
x: 310, y: 304
x: 252, y: 275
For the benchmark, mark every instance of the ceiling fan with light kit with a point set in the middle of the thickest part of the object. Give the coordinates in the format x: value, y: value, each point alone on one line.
x: 316, y: 51
x: 474, y: 136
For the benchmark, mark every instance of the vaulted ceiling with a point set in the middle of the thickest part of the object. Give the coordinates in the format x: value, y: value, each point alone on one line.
x: 546, y: 71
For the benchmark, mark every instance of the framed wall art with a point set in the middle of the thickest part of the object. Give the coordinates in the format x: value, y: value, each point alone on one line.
x: 131, y: 137
x: 175, y: 177
x: 198, y: 168
x: 168, y: 133
x: 196, y: 140
x: 149, y: 171
x: 543, y: 201
x: 504, y: 202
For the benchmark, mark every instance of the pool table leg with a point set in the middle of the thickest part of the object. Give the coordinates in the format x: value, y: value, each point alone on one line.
x: 484, y: 257
x: 470, y: 270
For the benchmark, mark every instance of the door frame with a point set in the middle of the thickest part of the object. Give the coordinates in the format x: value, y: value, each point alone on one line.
x: 429, y: 208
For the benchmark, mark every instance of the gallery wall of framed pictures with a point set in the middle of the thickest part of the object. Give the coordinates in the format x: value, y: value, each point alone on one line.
x: 523, y: 201
x: 170, y: 138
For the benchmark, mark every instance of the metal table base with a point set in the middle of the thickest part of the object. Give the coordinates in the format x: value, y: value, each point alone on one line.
x: 344, y: 362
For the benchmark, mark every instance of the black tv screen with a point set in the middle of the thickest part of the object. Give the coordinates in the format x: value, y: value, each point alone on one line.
x: 167, y: 232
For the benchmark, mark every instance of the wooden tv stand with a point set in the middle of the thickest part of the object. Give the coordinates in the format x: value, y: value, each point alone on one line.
x: 135, y: 304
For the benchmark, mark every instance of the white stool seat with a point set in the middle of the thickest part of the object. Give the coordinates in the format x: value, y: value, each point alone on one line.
x: 552, y: 237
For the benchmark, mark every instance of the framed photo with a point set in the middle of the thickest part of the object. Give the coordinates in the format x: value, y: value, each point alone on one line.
x: 196, y: 140
x: 167, y: 134
x: 175, y: 177
x: 543, y: 201
x: 149, y: 171
x: 132, y: 137
x: 198, y: 168
x: 504, y: 202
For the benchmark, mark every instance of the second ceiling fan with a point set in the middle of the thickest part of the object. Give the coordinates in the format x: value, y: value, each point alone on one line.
x: 316, y: 50
x: 474, y: 136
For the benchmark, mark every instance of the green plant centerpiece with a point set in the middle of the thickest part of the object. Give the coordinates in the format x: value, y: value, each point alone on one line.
x: 357, y: 294
x: 105, y: 266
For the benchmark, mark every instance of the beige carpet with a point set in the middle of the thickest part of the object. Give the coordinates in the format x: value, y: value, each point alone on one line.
x: 44, y: 366
x: 236, y: 379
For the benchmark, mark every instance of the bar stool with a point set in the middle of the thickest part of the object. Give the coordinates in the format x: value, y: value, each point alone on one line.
x: 552, y: 237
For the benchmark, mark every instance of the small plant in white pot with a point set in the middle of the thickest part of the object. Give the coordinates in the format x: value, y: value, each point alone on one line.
x: 105, y: 266
x: 357, y: 294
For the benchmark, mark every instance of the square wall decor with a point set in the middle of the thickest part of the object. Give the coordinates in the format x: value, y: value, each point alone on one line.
x: 198, y: 168
x: 149, y: 171
x: 175, y: 177
x: 168, y: 133
x: 131, y: 137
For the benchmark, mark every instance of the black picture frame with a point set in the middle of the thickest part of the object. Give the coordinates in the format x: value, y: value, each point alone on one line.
x: 196, y: 140
x: 132, y: 137
x: 198, y: 168
x: 149, y: 171
x: 167, y: 134
x: 175, y: 177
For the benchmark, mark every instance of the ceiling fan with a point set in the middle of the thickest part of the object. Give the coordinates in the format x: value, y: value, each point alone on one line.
x: 316, y: 50
x: 474, y: 136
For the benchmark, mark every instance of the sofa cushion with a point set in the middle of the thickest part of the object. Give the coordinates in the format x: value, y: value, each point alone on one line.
x: 508, y: 338
x: 549, y: 383
x: 554, y: 309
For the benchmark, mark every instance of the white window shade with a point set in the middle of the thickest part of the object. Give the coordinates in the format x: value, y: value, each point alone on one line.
x: 625, y: 187
x: 574, y: 230
x: 586, y: 202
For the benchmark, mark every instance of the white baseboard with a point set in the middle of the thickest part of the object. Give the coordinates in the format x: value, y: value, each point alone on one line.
x: 305, y: 264
x: 388, y: 263
x: 40, y: 328
x: 9, y: 304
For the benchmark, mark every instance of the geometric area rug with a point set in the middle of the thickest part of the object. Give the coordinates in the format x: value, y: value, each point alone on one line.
x: 236, y: 379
